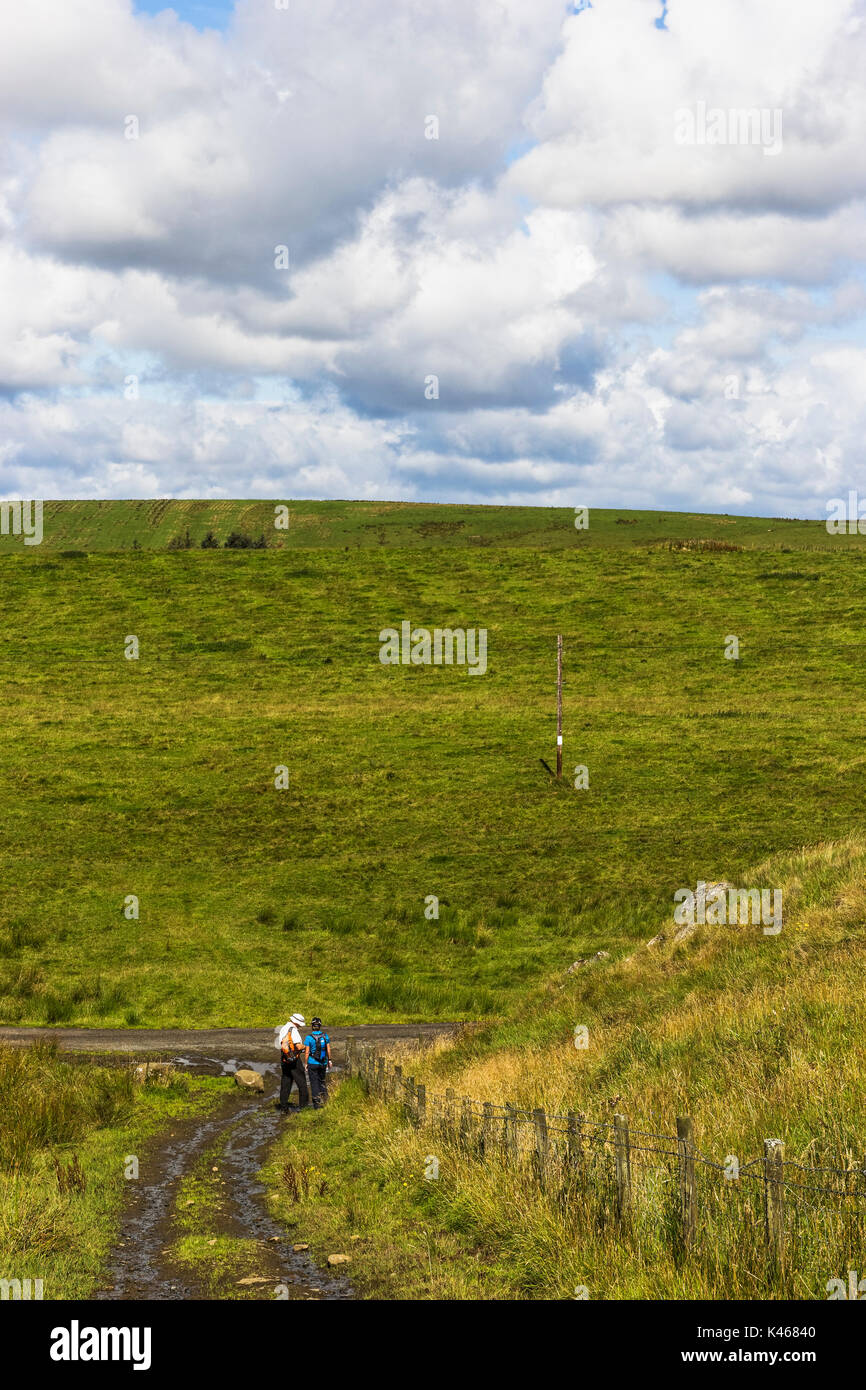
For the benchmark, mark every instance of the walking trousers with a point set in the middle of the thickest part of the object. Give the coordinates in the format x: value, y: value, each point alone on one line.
x: 293, y: 1075
x: 318, y: 1084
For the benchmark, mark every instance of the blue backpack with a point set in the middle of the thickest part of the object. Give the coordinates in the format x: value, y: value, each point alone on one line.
x: 319, y: 1049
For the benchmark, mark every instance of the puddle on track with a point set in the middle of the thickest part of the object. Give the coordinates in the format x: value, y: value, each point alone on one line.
x: 141, y: 1265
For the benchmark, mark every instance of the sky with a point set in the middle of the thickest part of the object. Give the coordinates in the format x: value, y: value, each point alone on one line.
x: 443, y: 250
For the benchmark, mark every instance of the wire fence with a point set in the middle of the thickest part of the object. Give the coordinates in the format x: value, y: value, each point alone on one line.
x: 779, y: 1198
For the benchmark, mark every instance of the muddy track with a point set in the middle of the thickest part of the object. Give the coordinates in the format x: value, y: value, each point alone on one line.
x: 141, y: 1265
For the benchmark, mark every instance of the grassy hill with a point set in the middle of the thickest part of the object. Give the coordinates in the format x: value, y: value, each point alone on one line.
x: 155, y: 777
x: 154, y: 524
x: 753, y: 1036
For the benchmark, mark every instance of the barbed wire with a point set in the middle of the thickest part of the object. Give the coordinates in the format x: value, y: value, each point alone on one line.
x: 578, y: 1130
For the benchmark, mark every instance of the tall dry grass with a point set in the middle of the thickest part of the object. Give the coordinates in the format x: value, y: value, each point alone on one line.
x: 753, y: 1036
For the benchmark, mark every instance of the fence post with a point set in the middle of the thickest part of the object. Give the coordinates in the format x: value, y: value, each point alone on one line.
x: 509, y: 1135
x: 409, y: 1094
x: 466, y: 1123
x: 774, y: 1200
x: 623, y: 1165
x: 574, y: 1126
x: 542, y: 1144
x: 449, y: 1112
x: 398, y: 1083
x: 420, y: 1103
x: 487, y: 1130
x: 380, y: 1075
x: 688, y: 1189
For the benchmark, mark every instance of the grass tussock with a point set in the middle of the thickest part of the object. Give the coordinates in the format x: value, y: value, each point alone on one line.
x: 46, y: 1102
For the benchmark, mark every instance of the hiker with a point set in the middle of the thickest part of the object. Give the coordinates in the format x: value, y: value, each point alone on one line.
x: 292, y: 1054
x: 318, y: 1054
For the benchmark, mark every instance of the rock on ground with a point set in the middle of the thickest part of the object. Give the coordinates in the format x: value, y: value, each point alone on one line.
x: 163, y: 1070
x: 585, y: 960
x: 251, y: 1079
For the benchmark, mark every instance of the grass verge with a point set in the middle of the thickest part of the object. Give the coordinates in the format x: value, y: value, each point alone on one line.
x: 67, y: 1133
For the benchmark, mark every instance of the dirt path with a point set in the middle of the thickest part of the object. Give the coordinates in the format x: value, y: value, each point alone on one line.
x: 143, y: 1264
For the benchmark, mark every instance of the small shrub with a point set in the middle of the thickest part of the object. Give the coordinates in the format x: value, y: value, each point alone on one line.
x: 183, y: 542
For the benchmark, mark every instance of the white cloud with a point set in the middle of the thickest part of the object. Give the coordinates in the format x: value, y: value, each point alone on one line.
x: 585, y: 305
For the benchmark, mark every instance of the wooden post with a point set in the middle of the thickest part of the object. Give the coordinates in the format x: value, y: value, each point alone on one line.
x: 688, y: 1190
x: 420, y: 1103
x: 774, y: 1200
x: 409, y: 1093
x: 623, y: 1165
x: 487, y: 1130
x: 510, y: 1135
x: 380, y: 1075
x: 559, y: 705
x: 542, y: 1144
x: 398, y: 1083
x: 466, y: 1123
x: 574, y: 1125
x: 449, y: 1112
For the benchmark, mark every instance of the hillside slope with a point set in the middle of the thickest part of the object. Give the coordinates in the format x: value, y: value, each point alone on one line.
x: 754, y: 1036
x: 153, y: 779
x: 152, y: 524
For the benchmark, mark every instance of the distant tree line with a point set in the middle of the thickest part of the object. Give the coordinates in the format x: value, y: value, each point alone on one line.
x: 236, y: 540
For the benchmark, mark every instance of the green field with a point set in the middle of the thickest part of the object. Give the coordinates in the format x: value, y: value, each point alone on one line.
x: 155, y: 777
